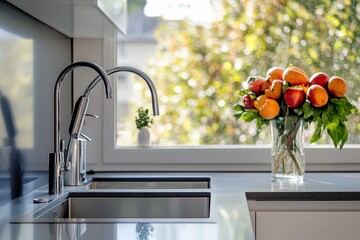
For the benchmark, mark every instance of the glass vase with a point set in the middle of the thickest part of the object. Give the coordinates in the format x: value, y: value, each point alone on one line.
x: 288, y: 157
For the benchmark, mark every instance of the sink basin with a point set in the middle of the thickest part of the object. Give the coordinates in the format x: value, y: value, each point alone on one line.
x: 150, y: 183
x: 114, y: 206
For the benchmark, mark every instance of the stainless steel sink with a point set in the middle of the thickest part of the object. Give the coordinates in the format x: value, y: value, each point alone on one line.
x: 150, y: 183
x: 114, y: 206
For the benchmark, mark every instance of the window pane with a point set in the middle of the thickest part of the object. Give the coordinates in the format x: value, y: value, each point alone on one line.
x: 199, y: 62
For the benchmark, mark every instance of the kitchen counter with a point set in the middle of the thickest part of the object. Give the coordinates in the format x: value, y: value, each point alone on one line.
x: 229, y: 214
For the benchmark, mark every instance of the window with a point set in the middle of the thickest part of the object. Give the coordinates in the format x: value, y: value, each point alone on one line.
x: 200, y: 61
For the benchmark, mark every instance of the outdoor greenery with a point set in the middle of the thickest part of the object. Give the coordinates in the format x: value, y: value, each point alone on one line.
x: 200, y: 69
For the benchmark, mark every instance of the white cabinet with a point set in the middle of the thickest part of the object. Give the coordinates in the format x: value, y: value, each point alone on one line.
x: 307, y: 225
x: 298, y: 220
x: 78, y: 18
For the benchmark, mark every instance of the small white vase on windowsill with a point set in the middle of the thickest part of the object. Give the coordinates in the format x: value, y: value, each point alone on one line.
x: 144, y: 137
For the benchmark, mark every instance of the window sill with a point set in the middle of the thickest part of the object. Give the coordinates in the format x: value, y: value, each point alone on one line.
x: 226, y: 158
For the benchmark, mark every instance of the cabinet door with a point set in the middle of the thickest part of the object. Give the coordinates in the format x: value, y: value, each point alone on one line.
x: 307, y: 225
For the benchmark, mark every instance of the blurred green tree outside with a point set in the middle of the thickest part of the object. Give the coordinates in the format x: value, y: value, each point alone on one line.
x: 199, y: 69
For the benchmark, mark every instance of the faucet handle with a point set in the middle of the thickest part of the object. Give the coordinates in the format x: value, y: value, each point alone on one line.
x: 62, y: 145
x: 86, y: 137
x: 78, y: 116
x: 91, y: 115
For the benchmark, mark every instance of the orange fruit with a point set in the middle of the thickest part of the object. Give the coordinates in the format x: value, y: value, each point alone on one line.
x: 270, y: 109
x: 337, y: 87
x: 259, y: 102
x: 295, y: 76
x: 305, y: 88
x: 266, y: 85
x: 317, y: 95
x: 275, y: 73
x: 275, y: 90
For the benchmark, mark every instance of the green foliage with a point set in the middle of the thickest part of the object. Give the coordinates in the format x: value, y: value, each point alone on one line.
x: 143, y: 119
x: 332, y: 117
x: 249, y: 115
x: 199, y: 70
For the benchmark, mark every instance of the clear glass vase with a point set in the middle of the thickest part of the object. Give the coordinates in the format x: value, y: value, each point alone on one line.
x: 288, y: 157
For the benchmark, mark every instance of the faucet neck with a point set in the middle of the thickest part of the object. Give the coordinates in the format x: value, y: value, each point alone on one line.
x: 57, y: 89
x: 144, y: 76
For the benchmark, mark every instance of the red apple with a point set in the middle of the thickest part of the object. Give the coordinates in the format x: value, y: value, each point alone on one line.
x: 319, y: 78
x: 255, y: 85
x: 294, y: 97
x: 248, y: 101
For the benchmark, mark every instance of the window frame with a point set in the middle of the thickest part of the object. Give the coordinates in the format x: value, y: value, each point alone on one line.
x: 199, y: 158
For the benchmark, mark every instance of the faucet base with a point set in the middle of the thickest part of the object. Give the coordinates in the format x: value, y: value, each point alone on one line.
x: 76, y: 175
x: 56, y: 168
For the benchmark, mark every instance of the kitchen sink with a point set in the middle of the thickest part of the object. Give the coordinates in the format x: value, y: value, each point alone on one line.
x: 117, y: 206
x: 150, y: 183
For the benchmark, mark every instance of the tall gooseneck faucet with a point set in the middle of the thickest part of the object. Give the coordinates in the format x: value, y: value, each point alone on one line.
x: 57, y: 161
x: 75, y: 163
x: 144, y: 76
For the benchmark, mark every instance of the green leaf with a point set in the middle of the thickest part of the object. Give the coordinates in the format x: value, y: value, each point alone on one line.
x: 250, y: 115
x: 332, y: 126
x: 337, y: 134
x: 324, y: 118
x: 344, y: 138
x: 343, y: 106
x: 243, y: 92
x: 340, y: 110
x: 239, y: 108
x: 317, y: 133
x: 299, y: 111
x: 260, y: 122
x: 309, y: 111
x: 334, y: 120
x: 237, y: 115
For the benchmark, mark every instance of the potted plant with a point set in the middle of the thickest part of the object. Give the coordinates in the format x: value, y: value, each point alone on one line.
x: 143, y: 122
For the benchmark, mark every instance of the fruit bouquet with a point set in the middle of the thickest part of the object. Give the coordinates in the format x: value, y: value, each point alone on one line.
x: 290, y: 100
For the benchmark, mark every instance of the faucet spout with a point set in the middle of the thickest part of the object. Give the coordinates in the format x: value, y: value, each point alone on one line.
x: 144, y: 76
x: 102, y: 76
x: 57, y: 160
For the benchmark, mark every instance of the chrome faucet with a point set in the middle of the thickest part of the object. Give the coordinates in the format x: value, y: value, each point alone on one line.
x: 76, y: 151
x: 57, y: 160
x: 76, y: 154
x: 75, y: 160
x: 144, y: 76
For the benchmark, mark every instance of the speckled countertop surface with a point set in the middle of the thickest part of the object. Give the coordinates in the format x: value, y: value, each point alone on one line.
x: 229, y: 216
